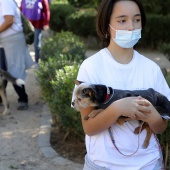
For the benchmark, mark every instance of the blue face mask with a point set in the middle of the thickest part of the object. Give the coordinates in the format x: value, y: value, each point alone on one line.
x: 126, y: 39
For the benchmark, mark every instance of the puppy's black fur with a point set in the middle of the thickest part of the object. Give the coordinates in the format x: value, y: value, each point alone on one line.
x: 101, y: 96
x: 161, y: 103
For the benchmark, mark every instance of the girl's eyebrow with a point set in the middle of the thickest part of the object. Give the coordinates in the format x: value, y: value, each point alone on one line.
x: 123, y: 16
x: 138, y: 15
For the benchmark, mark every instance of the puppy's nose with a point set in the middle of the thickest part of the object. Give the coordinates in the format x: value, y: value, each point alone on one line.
x: 72, y: 103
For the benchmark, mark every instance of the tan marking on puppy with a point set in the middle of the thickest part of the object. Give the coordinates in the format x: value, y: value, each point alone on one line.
x: 148, y: 134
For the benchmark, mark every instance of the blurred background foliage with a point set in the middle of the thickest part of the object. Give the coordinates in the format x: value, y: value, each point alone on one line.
x: 77, y: 15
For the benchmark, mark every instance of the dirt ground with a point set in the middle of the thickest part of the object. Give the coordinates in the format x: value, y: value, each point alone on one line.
x: 70, y: 148
x: 19, y: 131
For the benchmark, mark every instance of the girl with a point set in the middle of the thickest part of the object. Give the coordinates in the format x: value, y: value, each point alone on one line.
x: 119, y: 25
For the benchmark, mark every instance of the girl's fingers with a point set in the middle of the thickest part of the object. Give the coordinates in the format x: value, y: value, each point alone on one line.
x: 142, y: 101
x: 144, y: 109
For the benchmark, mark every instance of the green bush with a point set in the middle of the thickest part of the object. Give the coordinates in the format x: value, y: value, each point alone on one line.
x: 168, y: 79
x: 164, y: 141
x: 69, y: 120
x: 84, y: 3
x: 59, y: 2
x: 152, y: 7
x: 59, y: 13
x: 58, y: 69
x: 165, y: 49
x: 57, y: 91
x: 63, y: 43
x: 164, y: 138
x: 155, y: 33
x: 82, y: 22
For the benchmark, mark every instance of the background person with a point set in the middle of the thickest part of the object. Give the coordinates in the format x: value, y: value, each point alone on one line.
x: 118, y: 65
x: 12, y: 40
x: 38, y: 13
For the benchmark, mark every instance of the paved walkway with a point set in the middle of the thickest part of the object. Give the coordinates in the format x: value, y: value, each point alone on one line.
x: 25, y: 135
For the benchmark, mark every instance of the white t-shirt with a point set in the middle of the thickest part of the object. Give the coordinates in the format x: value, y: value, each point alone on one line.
x: 140, y: 73
x: 9, y: 7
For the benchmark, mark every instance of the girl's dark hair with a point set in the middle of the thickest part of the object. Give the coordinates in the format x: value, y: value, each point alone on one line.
x: 103, y: 18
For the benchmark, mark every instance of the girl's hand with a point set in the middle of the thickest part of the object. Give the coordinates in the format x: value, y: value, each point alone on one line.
x: 133, y: 107
x: 45, y: 27
x: 154, y: 120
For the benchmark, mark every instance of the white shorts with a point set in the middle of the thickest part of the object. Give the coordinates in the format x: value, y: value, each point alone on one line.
x: 89, y: 165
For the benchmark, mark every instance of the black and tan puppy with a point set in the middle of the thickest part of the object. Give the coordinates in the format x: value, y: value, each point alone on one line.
x: 101, y: 96
x: 6, y: 76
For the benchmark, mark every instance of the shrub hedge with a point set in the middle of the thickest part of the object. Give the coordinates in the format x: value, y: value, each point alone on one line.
x: 155, y: 33
x: 156, y: 7
x: 82, y: 22
x: 165, y: 49
x: 59, y: 13
x: 165, y: 137
x: 62, y: 55
x: 84, y: 3
x: 63, y: 43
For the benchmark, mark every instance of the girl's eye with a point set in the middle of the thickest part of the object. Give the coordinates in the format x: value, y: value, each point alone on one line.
x: 122, y: 21
x: 137, y: 20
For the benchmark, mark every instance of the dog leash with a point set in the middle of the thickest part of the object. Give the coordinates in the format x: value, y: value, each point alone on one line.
x: 160, y: 152
x: 114, y: 143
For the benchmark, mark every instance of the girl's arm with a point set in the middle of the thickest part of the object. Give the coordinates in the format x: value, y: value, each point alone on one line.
x: 131, y: 107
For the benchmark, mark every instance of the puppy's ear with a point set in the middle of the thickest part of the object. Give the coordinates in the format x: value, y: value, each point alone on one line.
x: 88, y: 92
x: 77, y: 82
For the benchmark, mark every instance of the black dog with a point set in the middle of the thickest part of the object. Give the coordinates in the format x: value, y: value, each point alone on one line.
x: 6, y: 76
x: 101, y: 96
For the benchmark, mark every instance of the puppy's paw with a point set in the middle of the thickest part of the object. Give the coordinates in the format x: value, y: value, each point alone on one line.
x: 6, y: 112
x: 94, y: 113
x: 145, y: 145
x: 121, y: 120
x: 137, y: 130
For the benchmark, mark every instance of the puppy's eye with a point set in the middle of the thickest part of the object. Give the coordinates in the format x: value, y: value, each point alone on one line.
x: 79, y: 99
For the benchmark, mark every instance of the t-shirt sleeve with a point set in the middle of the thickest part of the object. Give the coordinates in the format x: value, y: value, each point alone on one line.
x: 8, y: 8
x: 161, y: 85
